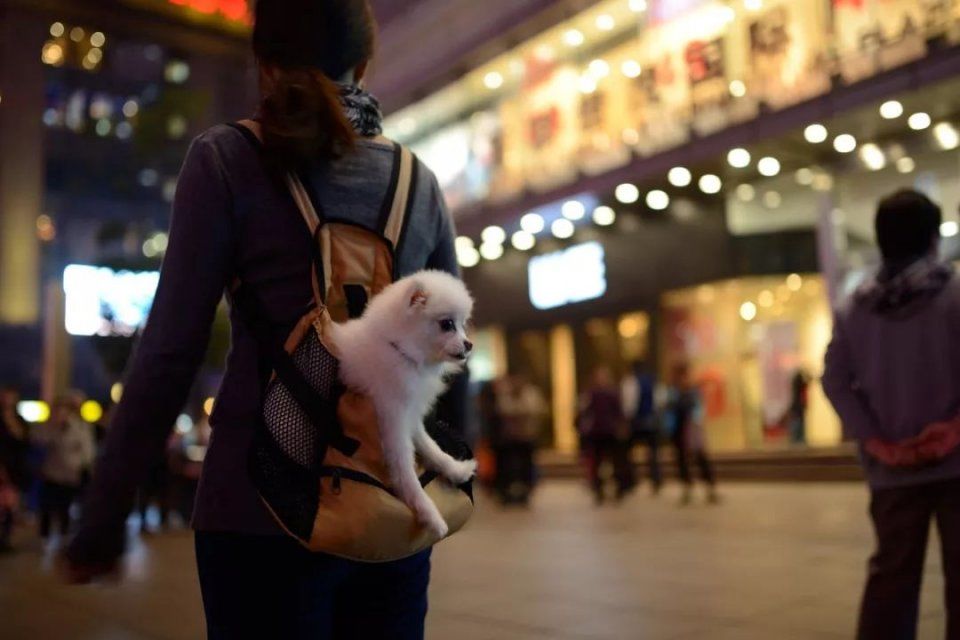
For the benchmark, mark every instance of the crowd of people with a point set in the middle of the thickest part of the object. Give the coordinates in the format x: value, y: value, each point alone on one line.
x: 613, y: 420
x: 45, y: 467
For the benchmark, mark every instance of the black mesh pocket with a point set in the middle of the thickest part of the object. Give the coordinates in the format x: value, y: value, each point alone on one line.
x: 288, y: 488
x: 285, y: 457
x: 286, y: 422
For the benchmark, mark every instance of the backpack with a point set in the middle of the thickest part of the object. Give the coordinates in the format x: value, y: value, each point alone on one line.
x: 316, y: 459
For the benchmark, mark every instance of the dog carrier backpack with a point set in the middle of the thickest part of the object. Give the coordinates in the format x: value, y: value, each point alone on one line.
x: 316, y: 461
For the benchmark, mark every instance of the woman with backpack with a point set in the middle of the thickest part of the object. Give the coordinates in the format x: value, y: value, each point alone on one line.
x: 234, y: 220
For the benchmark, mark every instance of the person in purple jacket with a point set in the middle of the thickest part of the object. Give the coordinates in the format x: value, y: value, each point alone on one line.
x: 893, y: 375
x: 233, y: 218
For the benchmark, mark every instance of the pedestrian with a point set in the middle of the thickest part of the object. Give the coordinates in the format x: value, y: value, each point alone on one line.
x: 893, y: 375
x: 14, y: 439
x: 684, y: 413
x: 155, y: 490
x: 9, y: 506
x: 521, y: 410
x: 796, y: 418
x: 638, y: 391
x: 234, y: 219
x: 605, y: 435
x: 68, y: 453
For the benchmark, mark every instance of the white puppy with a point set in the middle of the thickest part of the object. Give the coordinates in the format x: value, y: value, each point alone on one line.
x: 409, y: 339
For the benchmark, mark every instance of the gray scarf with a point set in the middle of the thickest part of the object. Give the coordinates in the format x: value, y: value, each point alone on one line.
x: 361, y: 109
x: 909, y: 289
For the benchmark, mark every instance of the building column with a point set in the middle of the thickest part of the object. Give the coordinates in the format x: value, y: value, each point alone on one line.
x: 22, y: 35
x: 563, y: 365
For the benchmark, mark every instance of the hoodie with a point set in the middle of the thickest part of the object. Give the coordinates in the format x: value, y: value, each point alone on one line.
x: 893, y: 366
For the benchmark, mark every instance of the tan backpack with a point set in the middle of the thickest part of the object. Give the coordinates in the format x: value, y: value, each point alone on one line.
x: 316, y: 461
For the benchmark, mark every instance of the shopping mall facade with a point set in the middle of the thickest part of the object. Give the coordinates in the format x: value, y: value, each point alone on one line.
x: 660, y: 180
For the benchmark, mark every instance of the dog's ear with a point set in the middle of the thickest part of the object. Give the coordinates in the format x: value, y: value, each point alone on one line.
x: 417, y: 295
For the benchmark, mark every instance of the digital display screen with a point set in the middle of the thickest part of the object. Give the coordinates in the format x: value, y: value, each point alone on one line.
x: 565, y: 277
x: 104, y: 302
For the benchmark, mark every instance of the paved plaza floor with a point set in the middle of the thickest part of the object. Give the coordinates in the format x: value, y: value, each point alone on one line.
x: 773, y: 562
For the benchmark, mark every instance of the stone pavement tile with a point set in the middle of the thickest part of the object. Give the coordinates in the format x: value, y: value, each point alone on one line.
x: 760, y: 633
x: 824, y: 616
x: 643, y: 625
x: 932, y: 628
x: 444, y: 626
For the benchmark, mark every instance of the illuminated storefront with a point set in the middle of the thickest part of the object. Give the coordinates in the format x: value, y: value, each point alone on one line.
x: 715, y: 154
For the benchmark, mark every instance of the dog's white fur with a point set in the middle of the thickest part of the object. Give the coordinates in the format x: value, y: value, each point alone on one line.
x: 399, y: 352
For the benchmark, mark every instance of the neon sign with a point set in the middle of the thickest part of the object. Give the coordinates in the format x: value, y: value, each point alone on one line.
x: 565, y: 277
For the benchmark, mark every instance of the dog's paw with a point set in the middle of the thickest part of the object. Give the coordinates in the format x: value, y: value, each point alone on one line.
x: 429, y: 516
x: 462, y: 471
x: 435, y: 524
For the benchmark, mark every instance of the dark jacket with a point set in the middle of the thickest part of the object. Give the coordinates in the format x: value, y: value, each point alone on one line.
x: 230, y: 220
x: 602, y: 414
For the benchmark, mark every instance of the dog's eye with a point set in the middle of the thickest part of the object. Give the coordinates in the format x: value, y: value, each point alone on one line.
x: 447, y: 325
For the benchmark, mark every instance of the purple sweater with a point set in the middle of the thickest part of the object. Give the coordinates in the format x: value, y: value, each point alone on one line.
x: 230, y: 220
x: 893, y: 366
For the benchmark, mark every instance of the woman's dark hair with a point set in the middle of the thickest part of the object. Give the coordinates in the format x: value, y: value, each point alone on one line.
x: 308, y: 45
x: 907, y: 224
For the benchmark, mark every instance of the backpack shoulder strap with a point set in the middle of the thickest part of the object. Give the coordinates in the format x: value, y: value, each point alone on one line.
x: 400, y: 195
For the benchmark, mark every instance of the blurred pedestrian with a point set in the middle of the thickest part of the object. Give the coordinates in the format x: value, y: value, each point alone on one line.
x: 893, y: 375
x: 69, y: 451
x: 605, y: 435
x: 684, y: 413
x: 521, y: 410
x: 14, y: 474
x: 155, y: 491
x: 638, y: 393
x: 491, y: 429
x: 9, y: 506
x: 797, y: 412
x: 14, y: 439
x: 234, y: 220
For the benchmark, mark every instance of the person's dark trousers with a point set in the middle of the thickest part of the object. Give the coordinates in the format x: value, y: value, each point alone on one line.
x: 610, y: 448
x: 55, y: 501
x: 270, y: 587
x: 6, y: 528
x: 901, y: 520
x: 515, y: 471
x: 650, y: 439
x: 683, y: 461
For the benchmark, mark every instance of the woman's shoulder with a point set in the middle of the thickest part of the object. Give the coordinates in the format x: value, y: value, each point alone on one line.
x: 228, y: 137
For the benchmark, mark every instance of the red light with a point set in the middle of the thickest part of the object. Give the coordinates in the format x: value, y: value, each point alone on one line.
x: 235, y: 10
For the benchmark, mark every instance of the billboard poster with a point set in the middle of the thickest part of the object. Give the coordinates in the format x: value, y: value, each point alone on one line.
x: 788, y: 53
x: 778, y: 356
x: 508, y: 177
x: 659, y: 107
x: 872, y: 36
x: 551, y: 114
x: 602, y: 124
x: 709, y: 87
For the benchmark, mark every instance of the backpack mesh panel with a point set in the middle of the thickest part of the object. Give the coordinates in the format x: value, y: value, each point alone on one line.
x: 285, y: 420
x: 289, y: 489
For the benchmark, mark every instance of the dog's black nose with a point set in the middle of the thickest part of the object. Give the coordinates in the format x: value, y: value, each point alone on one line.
x: 467, y: 346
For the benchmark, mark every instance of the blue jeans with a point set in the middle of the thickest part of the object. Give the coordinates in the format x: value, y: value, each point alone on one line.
x: 270, y: 587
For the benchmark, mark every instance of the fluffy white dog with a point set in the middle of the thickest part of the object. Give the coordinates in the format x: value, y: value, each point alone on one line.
x: 399, y: 352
